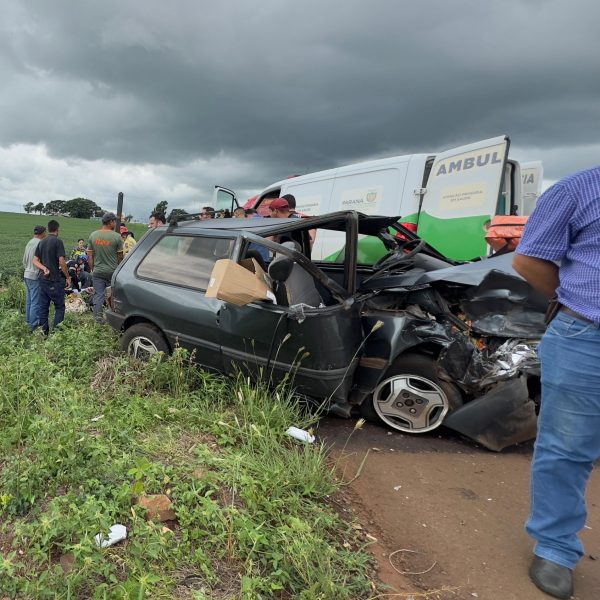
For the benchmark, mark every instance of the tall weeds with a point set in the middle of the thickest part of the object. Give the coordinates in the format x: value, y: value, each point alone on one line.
x: 86, y: 430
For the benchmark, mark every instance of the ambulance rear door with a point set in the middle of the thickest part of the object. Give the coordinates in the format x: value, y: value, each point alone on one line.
x: 465, y: 188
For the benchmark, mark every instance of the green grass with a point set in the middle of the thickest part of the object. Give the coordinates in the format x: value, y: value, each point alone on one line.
x: 17, y: 229
x: 252, y: 514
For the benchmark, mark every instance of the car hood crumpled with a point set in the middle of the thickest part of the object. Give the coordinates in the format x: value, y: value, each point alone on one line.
x: 496, y: 299
x: 472, y: 273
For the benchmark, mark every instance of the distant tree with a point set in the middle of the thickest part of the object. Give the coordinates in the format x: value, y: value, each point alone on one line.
x: 80, y: 208
x: 161, y: 207
x: 38, y: 208
x: 128, y: 218
x: 28, y: 207
x: 55, y: 206
x: 176, y: 213
x: 99, y: 212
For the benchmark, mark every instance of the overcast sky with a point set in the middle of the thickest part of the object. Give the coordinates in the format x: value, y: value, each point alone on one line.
x: 163, y: 100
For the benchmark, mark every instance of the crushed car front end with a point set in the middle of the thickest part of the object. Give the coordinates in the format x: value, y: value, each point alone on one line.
x: 476, y: 326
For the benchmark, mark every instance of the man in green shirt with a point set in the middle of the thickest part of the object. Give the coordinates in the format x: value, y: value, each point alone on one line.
x: 105, y: 252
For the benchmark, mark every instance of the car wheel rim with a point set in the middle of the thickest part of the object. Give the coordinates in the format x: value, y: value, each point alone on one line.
x: 410, y: 403
x: 142, y: 348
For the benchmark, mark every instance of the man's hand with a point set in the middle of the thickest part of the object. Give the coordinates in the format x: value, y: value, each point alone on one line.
x: 68, y: 283
x: 38, y: 263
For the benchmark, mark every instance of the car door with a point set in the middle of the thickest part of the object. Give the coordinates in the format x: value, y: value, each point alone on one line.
x: 315, y: 348
x: 462, y: 194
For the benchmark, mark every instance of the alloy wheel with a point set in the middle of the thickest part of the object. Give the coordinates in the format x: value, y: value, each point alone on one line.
x: 141, y: 347
x: 410, y: 403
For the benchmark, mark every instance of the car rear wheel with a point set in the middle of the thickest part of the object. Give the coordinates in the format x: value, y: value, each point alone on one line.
x: 411, y: 397
x: 143, y: 340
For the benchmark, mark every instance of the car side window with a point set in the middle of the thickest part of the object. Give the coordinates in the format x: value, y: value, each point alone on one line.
x: 184, y: 260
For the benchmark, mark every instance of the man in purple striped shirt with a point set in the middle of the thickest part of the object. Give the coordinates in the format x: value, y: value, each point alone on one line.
x: 559, y: 255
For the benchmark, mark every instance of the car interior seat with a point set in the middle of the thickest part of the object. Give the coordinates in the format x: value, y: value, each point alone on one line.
x: 292, y: 284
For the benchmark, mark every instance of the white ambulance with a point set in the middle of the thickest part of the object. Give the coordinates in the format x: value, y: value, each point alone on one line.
x: 447, y: 198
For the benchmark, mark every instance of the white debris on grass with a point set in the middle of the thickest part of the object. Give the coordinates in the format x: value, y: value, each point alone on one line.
x: 117, y: 533
x: 301, y: 435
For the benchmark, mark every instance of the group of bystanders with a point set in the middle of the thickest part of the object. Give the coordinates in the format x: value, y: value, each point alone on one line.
x: 48, y: 276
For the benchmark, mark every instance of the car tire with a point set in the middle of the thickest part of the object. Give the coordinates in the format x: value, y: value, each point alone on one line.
x: 411, y: 398
x: 143, y: 340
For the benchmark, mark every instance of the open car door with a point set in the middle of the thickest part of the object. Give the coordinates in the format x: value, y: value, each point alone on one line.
x: 315, y: 347
x: 224, y: 199
x: 464, y: 189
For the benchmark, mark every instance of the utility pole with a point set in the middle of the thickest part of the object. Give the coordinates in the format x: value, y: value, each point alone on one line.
x: 119, y: 211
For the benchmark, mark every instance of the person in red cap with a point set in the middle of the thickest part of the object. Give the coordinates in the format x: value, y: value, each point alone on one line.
x: 280, y: 209
x: 128, y: 239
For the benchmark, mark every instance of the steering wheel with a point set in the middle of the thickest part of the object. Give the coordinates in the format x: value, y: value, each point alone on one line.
x: 399, y: 254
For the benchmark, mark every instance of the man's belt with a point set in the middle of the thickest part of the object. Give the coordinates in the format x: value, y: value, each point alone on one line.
x: 572, y: 313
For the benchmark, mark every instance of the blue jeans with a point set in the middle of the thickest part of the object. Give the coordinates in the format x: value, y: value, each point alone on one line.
x: 100, y: 286
x: 51, y: 291
x: 568, y: 440
x: 32, y: 300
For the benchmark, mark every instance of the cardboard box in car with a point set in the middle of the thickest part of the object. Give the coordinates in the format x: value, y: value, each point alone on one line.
x: 239, y: 283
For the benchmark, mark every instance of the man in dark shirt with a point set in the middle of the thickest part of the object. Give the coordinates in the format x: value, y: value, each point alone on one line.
x: 50, y: 258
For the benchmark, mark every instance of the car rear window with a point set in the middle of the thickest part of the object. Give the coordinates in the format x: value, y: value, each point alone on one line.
x: 184, y: 260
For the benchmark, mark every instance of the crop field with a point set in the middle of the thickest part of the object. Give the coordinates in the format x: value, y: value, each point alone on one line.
x: 91, y: 437
x: 16, y: 230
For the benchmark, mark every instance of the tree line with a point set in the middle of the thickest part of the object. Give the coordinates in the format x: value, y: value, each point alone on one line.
x: 78, y: 208
x: 83, y: 208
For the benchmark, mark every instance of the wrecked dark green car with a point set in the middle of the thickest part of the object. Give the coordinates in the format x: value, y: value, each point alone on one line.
x: 414, y: 340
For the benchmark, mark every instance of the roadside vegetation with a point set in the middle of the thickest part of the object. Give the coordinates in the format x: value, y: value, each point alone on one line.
x: 16, y: 230
x: 87, y: 431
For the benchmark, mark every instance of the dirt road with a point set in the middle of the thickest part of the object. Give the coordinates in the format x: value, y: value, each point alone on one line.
x: 459, y: 508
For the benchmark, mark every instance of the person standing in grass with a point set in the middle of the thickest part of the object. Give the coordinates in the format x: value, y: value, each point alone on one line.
x: 105, y: 252
x: 31, y: 276
x: 50, y: 259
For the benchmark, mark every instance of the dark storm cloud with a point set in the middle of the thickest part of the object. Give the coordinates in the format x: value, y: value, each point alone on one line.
x: 292, y: 87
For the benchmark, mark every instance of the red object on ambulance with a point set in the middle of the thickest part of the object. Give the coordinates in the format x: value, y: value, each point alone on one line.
x: 504, y: 232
